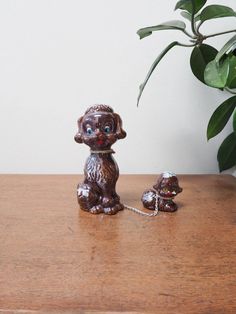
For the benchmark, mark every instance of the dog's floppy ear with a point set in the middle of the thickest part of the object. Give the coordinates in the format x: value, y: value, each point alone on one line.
x: 120, y: 133
x: 79, y: 135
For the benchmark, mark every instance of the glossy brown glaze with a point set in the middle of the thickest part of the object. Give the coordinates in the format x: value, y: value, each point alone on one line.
x: 149, y: 199
x: 166, y: 188
x: 100, y: 128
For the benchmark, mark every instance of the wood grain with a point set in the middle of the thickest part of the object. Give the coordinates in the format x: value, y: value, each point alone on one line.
x: 55, y: 258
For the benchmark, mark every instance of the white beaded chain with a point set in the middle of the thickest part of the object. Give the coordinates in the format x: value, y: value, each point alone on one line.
x: 138, y: 211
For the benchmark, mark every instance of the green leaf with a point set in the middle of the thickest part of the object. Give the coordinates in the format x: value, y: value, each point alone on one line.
x: 200, y: 57
x: 231, y: 81
x: 187, y: 5
x: 216, y: 74
x: 234, y: 121
x: 188, y: 16
x: 230, y: 45
x: 220, y: 117
x: 173, y: 25
x: 227, y: 153
x: 155, y: 63
x: 216, y: 11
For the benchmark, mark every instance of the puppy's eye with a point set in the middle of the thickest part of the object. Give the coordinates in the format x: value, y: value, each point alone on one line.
x: 107, y: 129
x: 89, y: 131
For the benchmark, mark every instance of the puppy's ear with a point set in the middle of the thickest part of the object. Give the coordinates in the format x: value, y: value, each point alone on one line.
x: 120, y: 133
x: 79, y: 135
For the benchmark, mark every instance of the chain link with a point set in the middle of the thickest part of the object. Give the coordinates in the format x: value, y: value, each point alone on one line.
x: 140, y: 212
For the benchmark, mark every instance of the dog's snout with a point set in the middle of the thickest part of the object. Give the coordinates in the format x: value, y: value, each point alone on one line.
x: 98, y: 132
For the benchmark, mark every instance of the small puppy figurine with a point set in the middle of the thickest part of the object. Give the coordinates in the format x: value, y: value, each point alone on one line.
x: 99, y: 128
x: 166, y: 188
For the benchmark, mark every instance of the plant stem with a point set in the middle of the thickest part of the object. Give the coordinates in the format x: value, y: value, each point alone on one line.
x: 199, y: 25
x: 230, y: 91
x: 189, y: 35
x: 156, y: 62
x: 186, y: 45
x: 192, y: 18
x: 217, y: 34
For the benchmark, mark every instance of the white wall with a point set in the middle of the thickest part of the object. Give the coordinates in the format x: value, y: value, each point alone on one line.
x: 59, y: 57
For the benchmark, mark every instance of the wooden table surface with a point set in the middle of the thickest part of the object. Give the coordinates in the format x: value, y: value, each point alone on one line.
x: 55, y: 258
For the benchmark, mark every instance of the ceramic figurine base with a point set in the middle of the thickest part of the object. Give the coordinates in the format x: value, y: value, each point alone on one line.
x: 166, y: 188
x: 100, y: 128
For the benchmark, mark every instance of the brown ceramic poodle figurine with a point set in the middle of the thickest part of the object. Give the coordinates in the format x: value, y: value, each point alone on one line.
x: 100, y: 128
x: 166, y: 188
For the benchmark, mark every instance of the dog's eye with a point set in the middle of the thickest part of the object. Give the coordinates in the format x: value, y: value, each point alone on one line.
x: 89, y: 131
x: 107, y: 129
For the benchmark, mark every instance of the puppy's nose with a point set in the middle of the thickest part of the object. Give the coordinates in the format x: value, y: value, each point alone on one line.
x: 98, y: 133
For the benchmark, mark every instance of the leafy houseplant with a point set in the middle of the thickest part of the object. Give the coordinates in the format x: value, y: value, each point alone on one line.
x: 214, y: 68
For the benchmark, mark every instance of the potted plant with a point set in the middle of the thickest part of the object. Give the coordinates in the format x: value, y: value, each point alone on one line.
x: 214, y: 68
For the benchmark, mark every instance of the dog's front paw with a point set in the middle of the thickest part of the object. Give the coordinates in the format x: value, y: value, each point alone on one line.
x: 107, y: 202
x: 167, y: 206
x: 96, y: 209
x: 114, y: 209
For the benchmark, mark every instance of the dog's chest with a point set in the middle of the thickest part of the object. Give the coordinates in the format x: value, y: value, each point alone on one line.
x: 101, y: 169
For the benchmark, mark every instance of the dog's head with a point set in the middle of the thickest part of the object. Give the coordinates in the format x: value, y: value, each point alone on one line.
x: 168, y: 185
x: 99, y: 128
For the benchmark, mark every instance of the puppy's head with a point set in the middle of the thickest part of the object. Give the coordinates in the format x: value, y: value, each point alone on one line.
x: 99, y: 128
x: 168, y: 185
